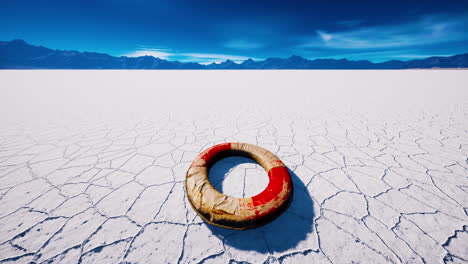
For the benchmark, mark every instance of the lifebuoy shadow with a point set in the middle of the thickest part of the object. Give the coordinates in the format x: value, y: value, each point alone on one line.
x: 284, y: 233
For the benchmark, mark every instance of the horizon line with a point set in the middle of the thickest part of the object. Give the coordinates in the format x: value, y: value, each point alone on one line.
x: 257, y: 60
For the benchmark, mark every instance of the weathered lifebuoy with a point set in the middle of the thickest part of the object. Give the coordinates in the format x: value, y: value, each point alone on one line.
x: 238, y: 213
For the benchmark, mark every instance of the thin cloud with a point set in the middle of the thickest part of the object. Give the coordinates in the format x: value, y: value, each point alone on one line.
x: 416, y: 56
x: 217, y: 58
x: 157, y: 53
x: 428, y: 30
x: 324, y: 36
x: 202, y: 58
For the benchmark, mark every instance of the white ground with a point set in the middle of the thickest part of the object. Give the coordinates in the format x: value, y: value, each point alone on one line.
x: 92, y: 165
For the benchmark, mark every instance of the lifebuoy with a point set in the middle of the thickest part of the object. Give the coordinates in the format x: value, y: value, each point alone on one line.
x: 238, y: 213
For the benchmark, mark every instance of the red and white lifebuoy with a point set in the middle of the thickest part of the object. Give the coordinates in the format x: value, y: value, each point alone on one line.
x: 238, y: 213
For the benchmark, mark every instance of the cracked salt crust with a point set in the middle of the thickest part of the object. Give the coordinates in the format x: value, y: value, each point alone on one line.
x: 385, y: 187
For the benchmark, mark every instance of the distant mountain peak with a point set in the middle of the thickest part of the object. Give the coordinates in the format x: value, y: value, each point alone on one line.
x: 248, y: 62
x: 18, y: 54
x: 19, y: 41
x: 296, y: 57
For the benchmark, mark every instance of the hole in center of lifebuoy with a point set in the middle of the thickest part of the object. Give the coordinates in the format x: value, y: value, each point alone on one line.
x: 238, y: 177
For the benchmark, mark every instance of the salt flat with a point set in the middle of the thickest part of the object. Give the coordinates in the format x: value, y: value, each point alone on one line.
x: 92, y: 165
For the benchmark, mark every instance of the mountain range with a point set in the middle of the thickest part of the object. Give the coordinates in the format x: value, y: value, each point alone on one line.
x: 17, y: 54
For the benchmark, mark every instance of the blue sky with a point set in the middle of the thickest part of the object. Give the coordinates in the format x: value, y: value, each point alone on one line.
x: 212, y: 31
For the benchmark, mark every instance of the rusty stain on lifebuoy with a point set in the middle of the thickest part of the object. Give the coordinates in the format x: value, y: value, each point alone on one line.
x: 238, y: 213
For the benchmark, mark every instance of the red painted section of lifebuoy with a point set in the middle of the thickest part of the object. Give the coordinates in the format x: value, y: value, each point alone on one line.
x: 211, y: 153
x: 215, y: 150
x: 279, y: 176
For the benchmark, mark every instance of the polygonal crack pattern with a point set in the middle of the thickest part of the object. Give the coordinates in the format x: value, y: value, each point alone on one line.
x: 386, y: 190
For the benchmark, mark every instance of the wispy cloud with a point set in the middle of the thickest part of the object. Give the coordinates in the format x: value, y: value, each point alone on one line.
x: 425, y: 31
x: 157, y: 53
x: 202, y: 58
x: 324, y: 36
x: 206, y: 58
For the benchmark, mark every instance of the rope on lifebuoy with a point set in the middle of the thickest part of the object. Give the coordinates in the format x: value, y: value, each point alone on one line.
x: 238, y: 213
